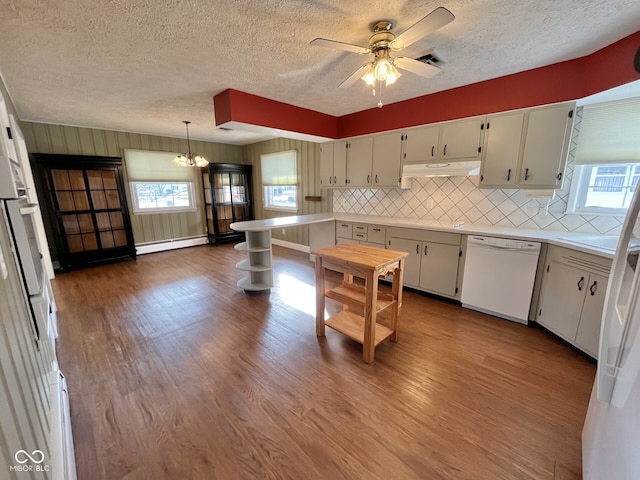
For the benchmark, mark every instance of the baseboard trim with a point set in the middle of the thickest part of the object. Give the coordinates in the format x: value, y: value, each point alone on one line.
x: 291, y: 245
x: 170, y: 245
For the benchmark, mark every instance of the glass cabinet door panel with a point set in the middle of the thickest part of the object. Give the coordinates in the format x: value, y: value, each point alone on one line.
x: 117, y: 222
x: 109, y: 180
x: 65, y: 201
x: 95, y: 179
x: 85, y: 222
x: 99, y: 200
x: 70, y: 223
x: 90, y: 241
x: 61, y: 179
x: 81, y: 200
x: 106, y: 239
x: 76, y: 178
x: 74, y: 243
x: 104, y: 222
x: 120, y: 238
x: 113, y: 199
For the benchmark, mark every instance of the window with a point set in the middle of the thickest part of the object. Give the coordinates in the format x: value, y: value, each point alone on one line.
x: 604, y: 188
x: 607, y: 159
x: 280, y: 180
x: 162, y: 197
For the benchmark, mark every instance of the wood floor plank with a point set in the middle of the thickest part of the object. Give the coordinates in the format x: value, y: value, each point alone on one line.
x: 175, y: 373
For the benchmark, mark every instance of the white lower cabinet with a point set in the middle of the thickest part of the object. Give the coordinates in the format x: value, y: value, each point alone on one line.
x: 433, y: 264
x: 373, y: 235
x: 572, y: 296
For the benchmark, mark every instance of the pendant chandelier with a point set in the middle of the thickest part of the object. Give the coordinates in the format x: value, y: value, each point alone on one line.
x: 189, y: 159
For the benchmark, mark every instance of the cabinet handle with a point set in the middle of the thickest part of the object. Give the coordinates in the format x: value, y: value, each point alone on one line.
x: 330, y: 180
x: 445, y: 151
x: 376, y: 229
x: 433, y: 147
x: 425, y: 249
x: 580, y: 284
x: 526, y: 174
x: 376, y: 178
x: 368, y: 178
x: 334, y: 180
x: 593, y: 288
x: 418, y: 249
x: 509, y: 175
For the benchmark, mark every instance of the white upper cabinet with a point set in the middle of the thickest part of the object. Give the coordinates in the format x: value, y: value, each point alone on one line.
x: 502, y: 140
x: 421, y: 144
x: 333, y: 164
x: 461, y: 139
x: 386, y: 165
x: 359, y: 155
x: 545, y: 146
x: 527, y: 149
x: 326, y: 165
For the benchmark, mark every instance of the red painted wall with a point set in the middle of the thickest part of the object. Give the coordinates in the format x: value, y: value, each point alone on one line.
x: 234, y: 105
x: 607, y: 68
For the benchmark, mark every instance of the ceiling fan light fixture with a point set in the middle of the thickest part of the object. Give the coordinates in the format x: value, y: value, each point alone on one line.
x: 189, y: 159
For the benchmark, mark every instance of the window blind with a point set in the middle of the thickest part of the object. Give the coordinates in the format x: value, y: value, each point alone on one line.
x: 609, y: 133
x: 279, y: 168
x: 146, y: 165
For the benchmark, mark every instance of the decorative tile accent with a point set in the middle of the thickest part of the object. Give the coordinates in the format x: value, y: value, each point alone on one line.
x: 458, y: 199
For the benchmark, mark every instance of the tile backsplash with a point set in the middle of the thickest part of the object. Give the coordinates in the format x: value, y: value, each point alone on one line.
x: 458, y: 199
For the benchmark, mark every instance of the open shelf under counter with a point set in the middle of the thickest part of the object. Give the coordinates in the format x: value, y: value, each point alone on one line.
x: 355, y: 295
x: 252, y: 285
x: 247, y: 266
x: 246, y: 247
x: 352, y: 325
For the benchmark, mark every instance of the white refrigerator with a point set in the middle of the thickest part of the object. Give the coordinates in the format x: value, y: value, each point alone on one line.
x: 611, y: 433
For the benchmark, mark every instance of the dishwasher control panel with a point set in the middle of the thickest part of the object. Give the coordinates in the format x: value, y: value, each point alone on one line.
x: 506, y: 243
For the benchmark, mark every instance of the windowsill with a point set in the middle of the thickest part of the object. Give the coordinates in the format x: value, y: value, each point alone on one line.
x: 282, y: 209
x: 156, y: 211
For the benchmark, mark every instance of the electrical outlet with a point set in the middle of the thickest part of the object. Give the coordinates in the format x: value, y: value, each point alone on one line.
x: 283, y: 231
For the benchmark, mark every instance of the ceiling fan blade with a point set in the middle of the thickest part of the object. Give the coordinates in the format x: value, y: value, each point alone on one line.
x: 347, y: 47
x: 425, y: 70
x: 355, y: 76
x: 432, y: 22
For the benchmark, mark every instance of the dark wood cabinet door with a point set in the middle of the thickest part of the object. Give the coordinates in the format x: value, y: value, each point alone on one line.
x: 86, y: 214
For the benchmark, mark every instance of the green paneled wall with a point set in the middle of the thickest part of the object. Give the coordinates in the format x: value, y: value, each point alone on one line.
x: 308, y: 175
x: 47, y: 138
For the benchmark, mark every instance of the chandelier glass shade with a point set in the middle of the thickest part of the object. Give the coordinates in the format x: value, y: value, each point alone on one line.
x: 189, y: 159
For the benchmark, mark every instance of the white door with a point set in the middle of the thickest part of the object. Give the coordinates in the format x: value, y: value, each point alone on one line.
x: 501, y: 150
x: 326, y: 165
x: 545, y: 147
x: 359, y: 155
x: 387, y: 151
x: 461, y: 139
x: 439, y: 268
x: 421, y: 144
x: 411, y: 274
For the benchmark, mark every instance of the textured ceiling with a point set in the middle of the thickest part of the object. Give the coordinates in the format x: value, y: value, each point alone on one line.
x: 146, y: 65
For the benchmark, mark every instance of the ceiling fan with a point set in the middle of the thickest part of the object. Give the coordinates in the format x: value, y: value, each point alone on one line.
x: 382, y: 70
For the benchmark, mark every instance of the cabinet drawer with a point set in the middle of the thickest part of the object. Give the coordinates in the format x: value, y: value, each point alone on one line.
x: 360, y: 236
x: 376, y: 234
x: 359, y: 228
x: 344, y: 230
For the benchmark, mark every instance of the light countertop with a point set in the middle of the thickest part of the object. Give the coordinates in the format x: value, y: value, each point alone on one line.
x: 601, y: 245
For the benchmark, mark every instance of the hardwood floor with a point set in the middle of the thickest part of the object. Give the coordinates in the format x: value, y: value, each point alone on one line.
x: 175, y: 373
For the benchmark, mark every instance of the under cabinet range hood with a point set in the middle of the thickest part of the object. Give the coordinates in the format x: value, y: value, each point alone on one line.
x: 441, y: 169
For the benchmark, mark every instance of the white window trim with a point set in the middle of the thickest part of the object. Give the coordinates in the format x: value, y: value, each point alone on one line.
x: 578, y: 193
x: 154, y: 211
x: 277, y: 208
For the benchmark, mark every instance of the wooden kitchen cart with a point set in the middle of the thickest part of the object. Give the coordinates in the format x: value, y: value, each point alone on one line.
x: 368, y: 263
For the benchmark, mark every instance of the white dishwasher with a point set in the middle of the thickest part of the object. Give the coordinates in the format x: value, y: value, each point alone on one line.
x: 499, y: 274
